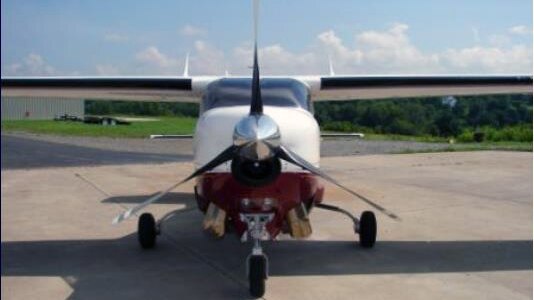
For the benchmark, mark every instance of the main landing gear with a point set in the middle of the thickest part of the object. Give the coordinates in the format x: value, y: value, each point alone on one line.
x: 365, y: 227
x: 257, y: 262
x: 147, y: 230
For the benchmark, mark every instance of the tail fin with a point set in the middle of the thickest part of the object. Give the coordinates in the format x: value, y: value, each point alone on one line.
x: 256, y: 105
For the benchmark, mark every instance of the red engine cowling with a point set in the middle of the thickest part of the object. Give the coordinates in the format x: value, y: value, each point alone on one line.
x: 285, y: 192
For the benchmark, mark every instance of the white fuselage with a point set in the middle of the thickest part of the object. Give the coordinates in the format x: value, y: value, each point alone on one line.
x: 298, y: 128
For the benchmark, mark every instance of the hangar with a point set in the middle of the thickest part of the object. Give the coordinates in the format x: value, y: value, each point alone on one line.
x: 40, y: 108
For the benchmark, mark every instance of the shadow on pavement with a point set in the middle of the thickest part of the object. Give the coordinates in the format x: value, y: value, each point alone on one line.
x: 187, y: 263
x: 187, y: 199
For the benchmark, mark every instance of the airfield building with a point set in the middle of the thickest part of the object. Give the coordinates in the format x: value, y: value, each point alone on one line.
x: 40, y: 108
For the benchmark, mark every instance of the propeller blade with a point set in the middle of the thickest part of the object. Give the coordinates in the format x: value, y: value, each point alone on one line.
x: 256, y: 104
x: 223, y: 157
x: 291, y: 157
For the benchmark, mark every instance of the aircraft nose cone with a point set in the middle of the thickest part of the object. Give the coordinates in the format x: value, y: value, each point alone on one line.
x: 259, y: 133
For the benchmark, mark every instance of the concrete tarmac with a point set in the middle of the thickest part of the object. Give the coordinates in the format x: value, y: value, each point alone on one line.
x: 465, y: 233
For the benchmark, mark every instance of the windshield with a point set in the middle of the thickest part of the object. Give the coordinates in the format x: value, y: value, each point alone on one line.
x: 281, y: 92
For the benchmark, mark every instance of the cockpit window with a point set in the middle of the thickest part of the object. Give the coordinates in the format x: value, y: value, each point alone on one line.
x: 281, y: 92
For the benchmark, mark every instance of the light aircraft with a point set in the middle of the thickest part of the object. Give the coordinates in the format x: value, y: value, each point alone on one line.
x: 256, y: 144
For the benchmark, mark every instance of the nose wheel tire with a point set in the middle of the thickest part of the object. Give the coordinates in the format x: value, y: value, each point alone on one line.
x: 147, y: 231
x: 257, y: 274
x: 367, y: 229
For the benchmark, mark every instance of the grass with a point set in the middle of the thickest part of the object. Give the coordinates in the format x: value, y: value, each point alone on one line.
x: 186, y: 125
x: 164, y: 125
x: 399, y: 137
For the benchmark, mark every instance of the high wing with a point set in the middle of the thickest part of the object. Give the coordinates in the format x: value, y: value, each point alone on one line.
x: 322, y: 88
x: 401, y: 86
x: 148, y: 88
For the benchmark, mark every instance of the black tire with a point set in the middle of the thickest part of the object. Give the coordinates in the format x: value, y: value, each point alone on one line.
x: 257, y: 274
x: 367, y: 229
x: 146, y: 231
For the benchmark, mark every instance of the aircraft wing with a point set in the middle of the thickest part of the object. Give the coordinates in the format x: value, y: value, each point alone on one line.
x: 382, y: 87
x: 149, y: 88
x: 190, y: 89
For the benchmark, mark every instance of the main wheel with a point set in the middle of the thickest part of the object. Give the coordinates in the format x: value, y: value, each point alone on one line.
x: 257, y: 274
x: 367, y: 229
x: 146, y: 231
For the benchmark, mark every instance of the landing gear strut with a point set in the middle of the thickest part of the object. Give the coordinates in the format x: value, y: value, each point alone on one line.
x: 365, y: 227
x: 257, y: 262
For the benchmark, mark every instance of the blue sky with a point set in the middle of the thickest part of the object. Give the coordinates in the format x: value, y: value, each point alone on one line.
x: 129, y: 37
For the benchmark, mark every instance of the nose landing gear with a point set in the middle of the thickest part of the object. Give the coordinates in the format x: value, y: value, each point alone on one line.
x: 257, y: 262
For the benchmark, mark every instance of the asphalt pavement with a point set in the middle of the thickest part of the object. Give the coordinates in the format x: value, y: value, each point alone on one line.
x: 26, y: 153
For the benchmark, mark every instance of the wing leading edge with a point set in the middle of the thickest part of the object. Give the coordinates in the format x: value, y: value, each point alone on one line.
x: 382, y: 87
x: 107, y: 88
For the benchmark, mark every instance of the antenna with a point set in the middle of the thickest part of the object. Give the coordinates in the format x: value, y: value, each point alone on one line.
x: 186, y: 65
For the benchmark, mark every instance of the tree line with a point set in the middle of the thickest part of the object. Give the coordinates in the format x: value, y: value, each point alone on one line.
x: 446, y: 117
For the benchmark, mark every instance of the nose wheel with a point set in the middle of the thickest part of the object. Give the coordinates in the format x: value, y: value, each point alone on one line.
x: 257, y: 262
x: 257, y: 274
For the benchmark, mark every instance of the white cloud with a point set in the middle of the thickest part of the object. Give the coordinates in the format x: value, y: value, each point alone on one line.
x: 336, y: 49
x: 520, y: 30
x: 204, y: 60
x: 106, y: 70
x: 116, y: 37
x: 392, y: 51
x: 387, y: 51
x: 207, y: 59
x: 153, y: 57
x: 31, y: 65
x: 516, y: 59
x: 191, y: 31
x: 274, y: 60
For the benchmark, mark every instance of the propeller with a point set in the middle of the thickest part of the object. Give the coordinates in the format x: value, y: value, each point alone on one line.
x: 250, y: 134
x: 293, y: 158
x: 256, y: 138
x: 226, y: 155
x: 256, y: 104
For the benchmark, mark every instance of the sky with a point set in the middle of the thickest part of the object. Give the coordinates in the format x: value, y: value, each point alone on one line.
x: 296, y: 37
